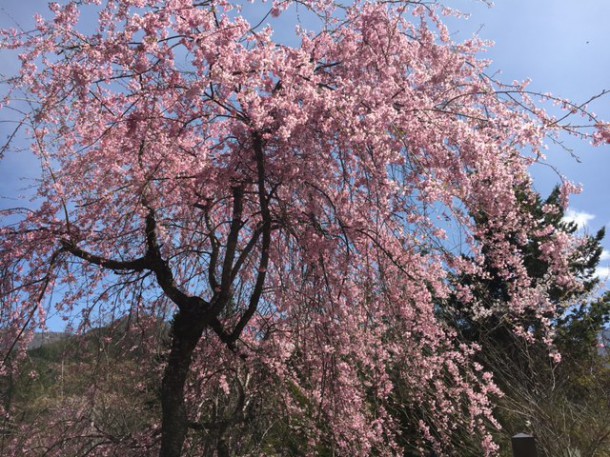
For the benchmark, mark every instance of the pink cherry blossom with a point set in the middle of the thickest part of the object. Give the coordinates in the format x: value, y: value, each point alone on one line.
x: 293, y: 207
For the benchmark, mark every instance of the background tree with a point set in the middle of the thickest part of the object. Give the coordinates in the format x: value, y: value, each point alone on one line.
x: 559, y: 402
x: 286, y: 204
x: 94, y: 393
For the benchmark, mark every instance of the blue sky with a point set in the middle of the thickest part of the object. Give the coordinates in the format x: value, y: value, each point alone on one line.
x: 561, y: 45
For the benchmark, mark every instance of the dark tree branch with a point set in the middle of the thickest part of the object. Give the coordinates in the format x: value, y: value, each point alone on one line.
x: 137, y: 265
x: 164, y: 275
x: 246, y: 252
x: 214, y: 254
x: 266, y: 242
x: 224, y: 295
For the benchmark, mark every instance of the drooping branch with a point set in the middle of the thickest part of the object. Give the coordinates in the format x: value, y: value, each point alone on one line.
x: 45, y: 281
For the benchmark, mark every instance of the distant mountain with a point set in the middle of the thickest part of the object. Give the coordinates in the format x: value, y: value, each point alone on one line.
x: 116, y: 329
x: 121, y: 338
x: 44, y: 338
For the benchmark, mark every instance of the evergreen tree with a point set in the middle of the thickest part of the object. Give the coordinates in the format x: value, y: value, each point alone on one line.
x: 557, y: 401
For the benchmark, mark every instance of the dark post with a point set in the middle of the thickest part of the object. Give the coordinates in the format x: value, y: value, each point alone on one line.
x: 524, y: 445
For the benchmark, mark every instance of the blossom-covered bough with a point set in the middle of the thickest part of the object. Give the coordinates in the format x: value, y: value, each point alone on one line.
x: 290, y: 205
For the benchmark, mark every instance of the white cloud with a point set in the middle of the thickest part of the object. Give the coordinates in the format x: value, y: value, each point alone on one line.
x: 603, y: 273
x: 580, y: 218
x: 605, y: 255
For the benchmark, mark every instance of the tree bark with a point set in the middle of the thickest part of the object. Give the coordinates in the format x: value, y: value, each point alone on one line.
x: 186, y: 332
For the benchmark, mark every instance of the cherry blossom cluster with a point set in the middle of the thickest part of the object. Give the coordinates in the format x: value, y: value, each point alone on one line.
x: 308, y: 189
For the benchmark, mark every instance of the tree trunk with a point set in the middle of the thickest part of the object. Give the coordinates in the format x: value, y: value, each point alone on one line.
x: 186, y: 332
